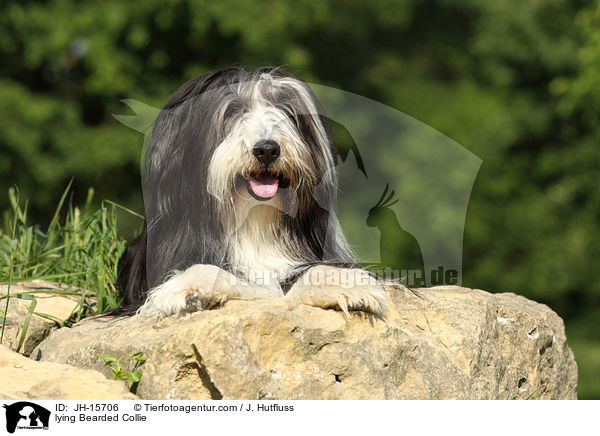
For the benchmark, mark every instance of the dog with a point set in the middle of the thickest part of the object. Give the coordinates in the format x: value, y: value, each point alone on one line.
x: 239, y: 189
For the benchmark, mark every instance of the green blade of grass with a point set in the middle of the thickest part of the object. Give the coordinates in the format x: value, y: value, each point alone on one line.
x: 27, y: 320
x: 131, y: 212
x: 54, y: 222
x: 12, y: 250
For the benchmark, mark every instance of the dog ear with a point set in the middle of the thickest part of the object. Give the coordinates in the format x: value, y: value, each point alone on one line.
x: 174, y: 178
x: 180, y: 127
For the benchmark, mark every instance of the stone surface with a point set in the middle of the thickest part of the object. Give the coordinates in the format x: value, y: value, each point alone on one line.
x: 437, y: 343
x: 60, y: 307
x: 23, y: 378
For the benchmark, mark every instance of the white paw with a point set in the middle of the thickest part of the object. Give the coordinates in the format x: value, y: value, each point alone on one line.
x: 343, y: 288
x: 198, y: 287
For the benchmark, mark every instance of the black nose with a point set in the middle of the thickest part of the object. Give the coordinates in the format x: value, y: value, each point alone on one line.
x: 266, y: 151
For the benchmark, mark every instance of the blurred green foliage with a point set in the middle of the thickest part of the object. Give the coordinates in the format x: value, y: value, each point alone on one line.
x: 515, y: 82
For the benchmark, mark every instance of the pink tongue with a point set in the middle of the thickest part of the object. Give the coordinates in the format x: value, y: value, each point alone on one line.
x: 264, y: 186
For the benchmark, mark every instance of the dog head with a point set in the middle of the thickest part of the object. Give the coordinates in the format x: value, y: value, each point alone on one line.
x: 260, y: 133
x: 271, y: 136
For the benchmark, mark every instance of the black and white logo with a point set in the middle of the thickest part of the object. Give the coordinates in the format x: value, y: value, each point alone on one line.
x: 26, y: 415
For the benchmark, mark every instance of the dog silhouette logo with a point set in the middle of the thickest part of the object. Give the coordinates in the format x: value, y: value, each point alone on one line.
x: 26, y: 415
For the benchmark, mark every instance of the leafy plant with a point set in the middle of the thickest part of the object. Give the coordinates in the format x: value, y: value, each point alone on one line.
x: 117, y: 368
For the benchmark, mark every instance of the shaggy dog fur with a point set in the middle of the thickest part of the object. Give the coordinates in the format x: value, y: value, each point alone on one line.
x: 239, y: 187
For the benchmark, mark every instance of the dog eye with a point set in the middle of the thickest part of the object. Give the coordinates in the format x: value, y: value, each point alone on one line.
x: 233, y: 110
x: 288, y: 112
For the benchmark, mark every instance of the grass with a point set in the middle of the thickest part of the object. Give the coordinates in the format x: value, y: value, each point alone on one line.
x: 80, y: 248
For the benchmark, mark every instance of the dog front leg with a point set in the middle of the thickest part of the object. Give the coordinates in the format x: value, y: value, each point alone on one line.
x: 341, y: 288
x: 201, y: 287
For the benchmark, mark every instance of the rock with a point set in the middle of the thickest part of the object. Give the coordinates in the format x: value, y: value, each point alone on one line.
x: 437, y: 343
x: 59, y: 307
x: 24, y: 378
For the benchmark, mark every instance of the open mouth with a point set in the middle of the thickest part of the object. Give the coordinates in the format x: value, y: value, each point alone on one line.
x: 265, y: 184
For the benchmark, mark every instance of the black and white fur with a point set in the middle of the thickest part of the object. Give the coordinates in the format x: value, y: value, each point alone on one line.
x: 209, y: 236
